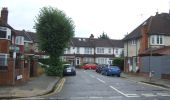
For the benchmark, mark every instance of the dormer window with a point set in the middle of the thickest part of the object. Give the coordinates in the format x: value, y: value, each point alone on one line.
x: 5, y: 33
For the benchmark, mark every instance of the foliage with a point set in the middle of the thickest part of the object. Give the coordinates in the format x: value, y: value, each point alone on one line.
x: 119, y: 62
x: 103, y: 36
x: 54, y: 30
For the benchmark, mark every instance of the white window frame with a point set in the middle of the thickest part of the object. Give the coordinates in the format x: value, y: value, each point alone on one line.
x: 5, y: 61
x: 109, y: 50
x: 157, y: 40
x: 8, y: 33
x: 78, y: 50
x: 88, y: 51
x: 100, y: 50
x: 19, y: 40
x: 133, y: 42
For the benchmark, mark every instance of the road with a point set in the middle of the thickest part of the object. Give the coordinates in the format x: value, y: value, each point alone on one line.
x: 89, y: 85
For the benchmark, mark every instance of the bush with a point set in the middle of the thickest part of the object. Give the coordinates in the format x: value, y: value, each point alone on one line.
x: 119, y: 62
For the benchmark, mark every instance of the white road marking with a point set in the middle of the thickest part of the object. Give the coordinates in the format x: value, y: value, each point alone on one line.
x: 101, y: 80
x: 92, y: 76
x: 163, y: 94
x: 113, y: 97
x: 126, y: 95
x: 148, y: 94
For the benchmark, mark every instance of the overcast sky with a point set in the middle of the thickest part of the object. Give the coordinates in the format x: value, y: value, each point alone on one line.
x: 114, y: 17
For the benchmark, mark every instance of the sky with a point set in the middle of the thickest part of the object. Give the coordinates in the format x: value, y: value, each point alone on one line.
x: 116, y: 18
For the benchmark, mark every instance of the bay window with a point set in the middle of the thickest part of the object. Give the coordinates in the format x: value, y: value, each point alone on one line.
x: 157, y: 39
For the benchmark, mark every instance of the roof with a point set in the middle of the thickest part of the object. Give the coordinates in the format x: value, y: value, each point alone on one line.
x: 157, y: 51
x: 94, y: 42
x: 2, y: 24
x: 28, y: 36
x: 24, y: 34
x: 158, y: 24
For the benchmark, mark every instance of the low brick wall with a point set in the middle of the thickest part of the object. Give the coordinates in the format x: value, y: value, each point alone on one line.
x: 7, y: 76
x: 165, y: 76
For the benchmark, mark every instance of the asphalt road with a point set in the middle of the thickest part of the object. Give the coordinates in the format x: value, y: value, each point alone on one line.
x: 89, y: 85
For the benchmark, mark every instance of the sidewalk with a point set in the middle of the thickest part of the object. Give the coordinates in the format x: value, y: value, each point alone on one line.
x: 35, y: 86
x: 154, y: 81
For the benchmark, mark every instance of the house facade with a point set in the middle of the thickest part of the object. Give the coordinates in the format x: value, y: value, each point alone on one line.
x: 92, y: 50
x: 152, y: 34
x: 17, y: 56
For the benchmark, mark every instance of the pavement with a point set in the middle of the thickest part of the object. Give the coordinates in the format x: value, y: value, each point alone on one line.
x: 36, y: 86
x: 153, y: 81
x: 43, y: 84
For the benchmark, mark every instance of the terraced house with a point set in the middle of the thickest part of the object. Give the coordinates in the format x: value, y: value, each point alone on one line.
x: 146, y: 47
x: 92, y: 50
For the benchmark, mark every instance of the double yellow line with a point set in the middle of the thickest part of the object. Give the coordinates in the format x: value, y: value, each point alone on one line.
x: 59, y: 85
x: 57, y: 89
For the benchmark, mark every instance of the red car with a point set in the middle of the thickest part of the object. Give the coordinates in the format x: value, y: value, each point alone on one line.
x: 89, y: 66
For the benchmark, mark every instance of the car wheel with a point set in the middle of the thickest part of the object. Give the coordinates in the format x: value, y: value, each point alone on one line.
x: 118, y: 75
x: 107, y: 74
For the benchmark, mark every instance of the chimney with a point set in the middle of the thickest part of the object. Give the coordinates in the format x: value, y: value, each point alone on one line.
x: 91, y: 36
x: 4, y: 14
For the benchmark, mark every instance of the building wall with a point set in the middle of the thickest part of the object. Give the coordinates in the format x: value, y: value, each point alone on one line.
x: 4, y: 46
x: 167, y: 40
x: 133, y: 50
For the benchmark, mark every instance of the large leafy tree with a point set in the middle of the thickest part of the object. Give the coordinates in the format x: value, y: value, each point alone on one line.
x: 54, y: 30
x: 103, y: 36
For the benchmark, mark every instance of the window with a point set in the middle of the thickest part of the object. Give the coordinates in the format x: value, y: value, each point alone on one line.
x: 3, y: 61
x: 19, y: 40
x: 102, y: 61
x: 109, y: 50
x: 5, y: 33
x: 88, y: 51
x: 133, y: 42
x: 156, y: 39
x: 116, y: 51
x: 88, y: 60
x: 78, y: 50
x: 100, y: 50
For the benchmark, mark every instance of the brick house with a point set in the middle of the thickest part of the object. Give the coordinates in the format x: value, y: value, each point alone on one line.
x: 92, y: 50
x: 152, y: 34
x: 16, y: 49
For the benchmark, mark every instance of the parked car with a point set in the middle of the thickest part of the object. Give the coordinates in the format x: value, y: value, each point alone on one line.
x: 69, y: 70
x: 111, y: 70
x: 89, y: 66
x: 99, y: 68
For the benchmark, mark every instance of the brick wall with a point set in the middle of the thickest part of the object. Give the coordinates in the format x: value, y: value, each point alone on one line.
x: 6, y: 76
x: 144, y: 39
x: 4, y: 46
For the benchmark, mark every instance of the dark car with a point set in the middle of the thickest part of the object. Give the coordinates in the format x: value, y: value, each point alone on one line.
x: 69, y: 70
x: 111, y: 70
x: 99, y: 68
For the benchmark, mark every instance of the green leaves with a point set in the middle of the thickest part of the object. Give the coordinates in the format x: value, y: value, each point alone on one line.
x: 103, y: 36
x: 54, y: 30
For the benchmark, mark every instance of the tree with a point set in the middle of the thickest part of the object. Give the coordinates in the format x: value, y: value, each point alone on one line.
x: 103, y: 36
x: 54, y: 30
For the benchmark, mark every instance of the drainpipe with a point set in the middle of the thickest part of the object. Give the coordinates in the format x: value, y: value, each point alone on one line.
x: 127, y: 54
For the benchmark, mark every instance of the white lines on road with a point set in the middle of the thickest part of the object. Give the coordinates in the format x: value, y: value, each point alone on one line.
x: 126, y: 95
x: 148, y: 94
x: 101, y: 80
x: 92, y: 76
x: 163, y: 94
